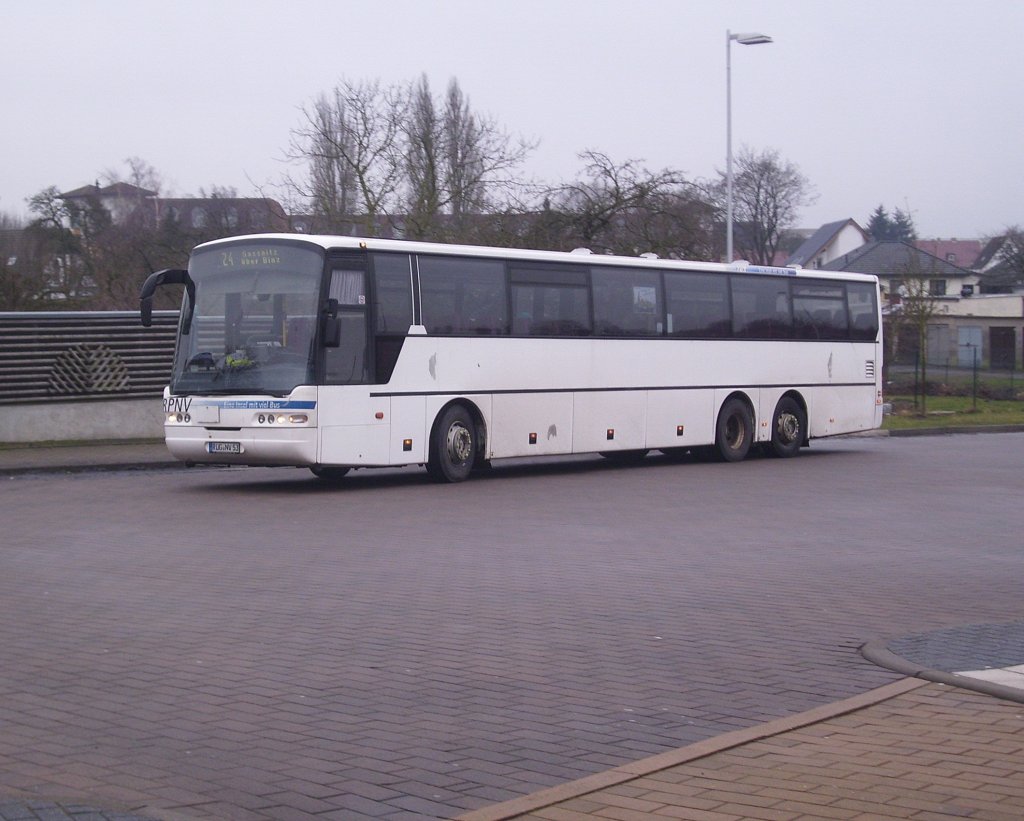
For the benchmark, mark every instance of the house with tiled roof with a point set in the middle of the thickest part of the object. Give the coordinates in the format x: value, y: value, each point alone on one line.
x: 962, y: 252
x: 995, y: 274
x: 965, y: 323
x: 894, y: 261
x: 829, y: 242
x: 124, y: 201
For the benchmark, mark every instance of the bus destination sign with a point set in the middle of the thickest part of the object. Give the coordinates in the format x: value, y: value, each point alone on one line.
x: 250, y: 257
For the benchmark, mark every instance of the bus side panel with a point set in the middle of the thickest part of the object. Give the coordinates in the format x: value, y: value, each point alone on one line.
x: 546, y: 418
x: 680, y: 418
x: 834, y: 410
x: 823, y: 409
x: 354, y: 427
x: 765, y: 411
x: 407, y: 423
x: 609, y: 420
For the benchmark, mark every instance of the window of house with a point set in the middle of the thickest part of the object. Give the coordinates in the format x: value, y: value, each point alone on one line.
x: 937, y: 287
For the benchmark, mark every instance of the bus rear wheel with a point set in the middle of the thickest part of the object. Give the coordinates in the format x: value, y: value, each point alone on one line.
x: 789, y: 425
x: 735, y: 430
x: 453, y: 446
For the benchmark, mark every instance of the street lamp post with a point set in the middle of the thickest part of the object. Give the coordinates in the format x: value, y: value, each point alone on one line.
x: 752, y: 39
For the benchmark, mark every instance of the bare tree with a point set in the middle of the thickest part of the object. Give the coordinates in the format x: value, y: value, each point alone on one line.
x: 1011, y: 254
x: 352, y: 141
x: 768, y: 193
x: 481, y: 161
x: 23, y: 275
x: 423, y: 164
x: 623, y: 208
x: 913, y: 309
x: 398, y: 155
x: 64, y: 230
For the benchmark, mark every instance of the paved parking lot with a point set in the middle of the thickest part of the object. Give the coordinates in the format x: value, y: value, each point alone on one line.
x: 250, y: 643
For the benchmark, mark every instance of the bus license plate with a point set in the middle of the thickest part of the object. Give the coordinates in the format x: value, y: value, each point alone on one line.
x: 223, y: 447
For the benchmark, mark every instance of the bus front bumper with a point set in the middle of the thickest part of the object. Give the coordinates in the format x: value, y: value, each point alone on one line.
x: 248, y: 446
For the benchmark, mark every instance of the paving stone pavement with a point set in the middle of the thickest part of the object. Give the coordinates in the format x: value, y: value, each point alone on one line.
x: 173, y: 645
x: 13, y: 809
x: 967, y: 647
x: 928, y: 752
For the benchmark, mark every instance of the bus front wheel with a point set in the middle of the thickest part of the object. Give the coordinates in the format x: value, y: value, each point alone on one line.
x: 453, y: 446
x: 789, y: 425
x: 735, y: 430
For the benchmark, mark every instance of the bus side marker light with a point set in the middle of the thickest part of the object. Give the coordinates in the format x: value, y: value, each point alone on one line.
x: 679, y: 430
x: 533, y: 438
x: 611, y: 434
x: 407, y: 444
x: 379, y: 415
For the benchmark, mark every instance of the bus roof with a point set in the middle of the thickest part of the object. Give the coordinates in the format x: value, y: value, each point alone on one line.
x: 579, y: 255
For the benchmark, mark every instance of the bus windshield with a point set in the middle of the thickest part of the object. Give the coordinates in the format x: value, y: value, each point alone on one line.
x: 251, y: 328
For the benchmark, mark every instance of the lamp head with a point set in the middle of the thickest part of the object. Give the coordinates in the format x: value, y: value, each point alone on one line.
x: 751, y: 39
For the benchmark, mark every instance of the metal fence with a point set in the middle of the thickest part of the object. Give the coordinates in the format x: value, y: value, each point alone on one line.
x: 79, y: 355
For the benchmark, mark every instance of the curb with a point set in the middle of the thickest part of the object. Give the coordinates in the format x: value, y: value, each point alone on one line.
x: 878, y: 653
x: 955, y: 429
x: 701, y: 749
x: 40, y: 470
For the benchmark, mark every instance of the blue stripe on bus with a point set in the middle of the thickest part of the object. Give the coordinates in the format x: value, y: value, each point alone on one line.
x: 258, y: 404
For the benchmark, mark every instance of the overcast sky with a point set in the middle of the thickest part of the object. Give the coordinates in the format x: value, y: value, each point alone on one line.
x: 916, y: 104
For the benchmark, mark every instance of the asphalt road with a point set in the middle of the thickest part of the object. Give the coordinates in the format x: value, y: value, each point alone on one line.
x: 252, y: 643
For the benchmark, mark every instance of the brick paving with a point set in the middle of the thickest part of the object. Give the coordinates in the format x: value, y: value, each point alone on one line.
x: 12, y: 809
x: 933, y: 752
x: 251, y: 644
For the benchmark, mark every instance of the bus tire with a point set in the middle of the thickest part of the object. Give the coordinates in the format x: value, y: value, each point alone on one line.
x: 789, y: 427
x: 328, y: 474
x: 734, y: 431
x: 453, y: 445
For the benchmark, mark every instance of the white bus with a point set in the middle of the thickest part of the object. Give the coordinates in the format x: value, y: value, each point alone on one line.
x: 336, y: 353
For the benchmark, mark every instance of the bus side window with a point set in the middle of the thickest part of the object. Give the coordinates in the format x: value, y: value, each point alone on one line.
x: 392, y: 281
x: 819, y: 310
x: 627, y: 302
x: 463, y: 296
x: 761, y: 307
x: 698, y: 305
x: 346, y: 364
x: 863, y: 311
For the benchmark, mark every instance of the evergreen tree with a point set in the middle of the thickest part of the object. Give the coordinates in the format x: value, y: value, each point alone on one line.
x: 900, y: 226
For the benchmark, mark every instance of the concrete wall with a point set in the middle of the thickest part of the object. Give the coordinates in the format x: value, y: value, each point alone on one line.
x: 82, y: 421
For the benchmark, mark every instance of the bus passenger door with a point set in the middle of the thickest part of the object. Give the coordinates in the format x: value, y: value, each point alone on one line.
x: 353, y: 426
